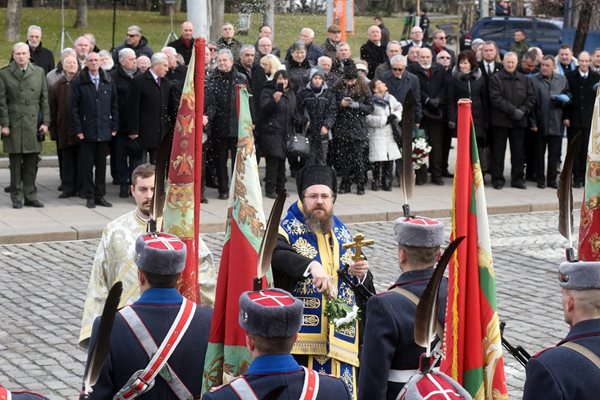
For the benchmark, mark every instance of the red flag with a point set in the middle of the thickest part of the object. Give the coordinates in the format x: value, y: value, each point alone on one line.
x: 589, y: 225
x: 472, y: 342
x: 227, y: 356
x: 182, y: 206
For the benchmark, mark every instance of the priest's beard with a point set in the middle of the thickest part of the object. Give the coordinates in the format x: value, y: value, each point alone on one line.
x: 319, y: 223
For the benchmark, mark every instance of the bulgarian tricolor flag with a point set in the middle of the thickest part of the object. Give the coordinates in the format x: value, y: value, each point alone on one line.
x: 227, y: 356
x: 472, y: 343
x: 182, y: 205
x: 589, y: 224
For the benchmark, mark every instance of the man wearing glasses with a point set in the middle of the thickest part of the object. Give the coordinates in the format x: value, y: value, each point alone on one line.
x: 400, y: 81
x: 439, y: 44
x: 136, y: 41
x: 307, y: 257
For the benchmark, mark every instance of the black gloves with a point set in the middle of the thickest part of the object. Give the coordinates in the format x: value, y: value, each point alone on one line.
x: 391, y: 119
x: 433, y: 102
x: 518, y: 114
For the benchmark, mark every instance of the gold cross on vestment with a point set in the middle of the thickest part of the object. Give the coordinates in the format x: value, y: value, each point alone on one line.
x: 357, y: 244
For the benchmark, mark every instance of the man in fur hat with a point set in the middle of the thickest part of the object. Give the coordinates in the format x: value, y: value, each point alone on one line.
x: 571, y: 369
x: 390, y: 356
x: 141, y: 329
x: 272, y: 319
x: 305, y: 262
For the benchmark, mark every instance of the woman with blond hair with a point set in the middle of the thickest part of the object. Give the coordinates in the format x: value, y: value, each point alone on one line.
x: 270, y: 64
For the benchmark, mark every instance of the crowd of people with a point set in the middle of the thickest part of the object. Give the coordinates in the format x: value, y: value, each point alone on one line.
x: 350, y: 109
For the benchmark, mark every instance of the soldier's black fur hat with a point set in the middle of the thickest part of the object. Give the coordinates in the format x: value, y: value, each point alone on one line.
x: 162, y: 254
x: 270, y: 313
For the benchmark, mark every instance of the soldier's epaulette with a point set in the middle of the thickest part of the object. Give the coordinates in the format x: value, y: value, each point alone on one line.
x: 215, y: 388
x: 536, y: 355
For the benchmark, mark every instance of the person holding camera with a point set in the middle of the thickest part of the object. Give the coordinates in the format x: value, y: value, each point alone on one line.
x: 316, y: 112
x: 278, y: 107
x: 24, y: 117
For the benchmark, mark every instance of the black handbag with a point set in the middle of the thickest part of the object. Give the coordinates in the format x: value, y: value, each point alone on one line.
x: 298, y: 145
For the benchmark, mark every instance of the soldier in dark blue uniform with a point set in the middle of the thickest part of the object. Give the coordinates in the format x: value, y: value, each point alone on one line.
x: 160, y: 260
x: 571, y: 369
x: 390, y: 356
x: 272, y: 319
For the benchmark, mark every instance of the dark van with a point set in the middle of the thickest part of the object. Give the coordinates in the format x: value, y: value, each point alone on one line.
x: 542, y: 33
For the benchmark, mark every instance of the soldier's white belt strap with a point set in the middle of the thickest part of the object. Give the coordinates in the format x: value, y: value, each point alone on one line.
x: 400, y: 375
x: 143, y: 380
x: 5, y: 394
x: 310, y: 388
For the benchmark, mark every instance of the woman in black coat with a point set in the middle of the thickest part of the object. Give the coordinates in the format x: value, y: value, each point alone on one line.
x: 278, y: 107
x: 350, y: 137
x: 316, y: 111
x: 467, y: 82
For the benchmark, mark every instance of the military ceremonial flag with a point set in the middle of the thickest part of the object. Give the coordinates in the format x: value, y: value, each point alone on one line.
x: 472, y: 342
x: 227, y: 356
x: 589, y: 224
x: 182, y: 205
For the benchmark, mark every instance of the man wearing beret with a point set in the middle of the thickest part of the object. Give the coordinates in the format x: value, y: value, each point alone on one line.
x: 272, y: 319
x: 390, y: 356
x: 571, y: 369
x: 305, y: 262
x: 143, y: 330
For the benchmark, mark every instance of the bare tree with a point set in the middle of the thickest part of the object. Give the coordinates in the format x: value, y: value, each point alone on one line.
x: 218, y: 16
x: 269, y: 15
x: 13, y: 20
x: 583, y: 25
x: 81, y: 19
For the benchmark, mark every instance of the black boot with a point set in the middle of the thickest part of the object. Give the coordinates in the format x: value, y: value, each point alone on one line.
x: 344, y: 187
x: 387, y: 175
x: 360, y: 189
x: 376, y: 183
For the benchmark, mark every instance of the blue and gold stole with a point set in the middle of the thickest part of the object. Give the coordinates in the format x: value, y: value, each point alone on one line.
x: 329, y: 350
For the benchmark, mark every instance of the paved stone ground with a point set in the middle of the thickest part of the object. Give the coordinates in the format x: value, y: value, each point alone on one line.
x: 42, y: 290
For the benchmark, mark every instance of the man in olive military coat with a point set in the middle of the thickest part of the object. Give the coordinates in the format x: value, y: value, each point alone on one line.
x: 24, y: 118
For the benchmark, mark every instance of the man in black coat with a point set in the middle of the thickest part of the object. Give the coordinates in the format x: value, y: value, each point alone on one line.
x: 577, y: 115
x: 220, y: 107
x: 390, y: 356
x: 176, y: 73
x: 373, y: 52
x: 255, y: 75
x: 94, y: 120
x: 567, y: 371
x: 136, y: 41
x: 150, y: 109
x: 491, y: 60
x: 184, y: 44
x: 122, y: 76
x: 439, y: 43
x: 512, y: 99
x: 40, y: 56
x: 416, y: 39
x: 432, y: 82
x: 141, y: 328
x: 400, y: 81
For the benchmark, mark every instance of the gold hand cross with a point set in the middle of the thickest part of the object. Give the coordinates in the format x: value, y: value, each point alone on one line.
x: 357, y: 244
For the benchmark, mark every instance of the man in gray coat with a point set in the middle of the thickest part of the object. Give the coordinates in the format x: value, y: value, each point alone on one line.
x: 24, y: 117
x: 552, y: 94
